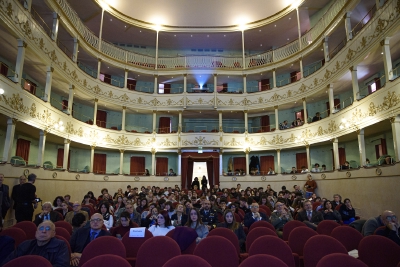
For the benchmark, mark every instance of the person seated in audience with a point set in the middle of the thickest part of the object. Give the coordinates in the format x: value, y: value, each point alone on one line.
x: 169, y: 208
x: 280, y: 217
x: 7, y: 246
x: 78, y: 221
x: 317, y: 117
x: 118, y: 193
x: 163, y: 224
x: 151, y: 218
x: 374, y: 223
x: 146, y: 172
x: 297, y: 122
x: 294, y: 170
x: 347, y: 212
x: 103, y: 191
x: 195, y: 204
x: 142, y: 205
x: 298, y: 190
x: 57, y: 202
x: 67, y: 199
x: 107, y: 217
x: 83, y: 236
x: 128, y: 190
x: 133, y: 214
x: 329, y: 213
x: 195, y: 223
x: 310, y: 186
x: 254, y: 215
x: 345, y: 165
x: 308, y: 216
x: 171, y: 172
x: 323, y: 168
x: 315, y: 168
x: 243, y: 205
x: 76, y: 208
x: 124, y: 226
x: 391, y: 230
x: 387, y: 160
x: 45, y: 244
x: 304, y: 169
x: 264, y: 201
x: 270, y: 171
x: 337, y: 200
x: 179, y: 218
x: 106, y: 198
x: 208, y: 216
x: 86, y: 201
x: 47, y: 214
x: 231, y: 224
x: 284, y: 125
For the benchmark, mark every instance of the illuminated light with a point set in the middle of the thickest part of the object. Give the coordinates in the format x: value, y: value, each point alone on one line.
x: 1, y: 91
x: 224, y: 35
x: 157, y: 27
x: 344, y: 120
x: 290, y: 18
x: 208, y: 35
x: 275, y: 25
x: 260, y: 44
x: 288, y: 39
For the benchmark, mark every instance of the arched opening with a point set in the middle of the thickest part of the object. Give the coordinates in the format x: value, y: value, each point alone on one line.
x: 210, y: 158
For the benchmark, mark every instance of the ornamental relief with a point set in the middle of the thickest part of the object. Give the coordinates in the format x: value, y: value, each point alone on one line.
x: 233, y: 142
x: 123, y: 140
x: 168, y: 143
x: 389, y: 101
x: 200, y: 141
x: 199, y: 101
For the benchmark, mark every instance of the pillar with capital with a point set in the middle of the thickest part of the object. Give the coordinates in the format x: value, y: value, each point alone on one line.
x: 179, y: 162
x: 92, y: 147
x: 244, y: 83
x: 98, y: 66
x: 361, y: 147
x: 331, y: 100
x: 47, y: 88
x: 347, y: 25
x: 273, y: 78
x: 8, y: 143
x: 220, y: 121
x: 19, y: 65
x: 42, y: 144
x: 121, y: 161
x: 155, y: 89
x: 70, y: 99
x: 387, y: 59
x: 66, y: 153
x: 354, y: 83
x: 278, y: 157
x: 247, y: 151
x: 326, y: 48
x: 395, y: 121
x: 76, y: 50
x: 154, y: 121
x: 335, y: 144
x: 95, y: 111
x: 276, y: 118
x: 123, y: 118
x: 221, y: 169
x: 153, y: 161
x: 246, y: 126
x: 54, y: 31
x: 305, y: 110
x: 308, y: 156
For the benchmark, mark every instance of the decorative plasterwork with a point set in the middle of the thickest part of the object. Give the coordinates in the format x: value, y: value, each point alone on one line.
x: 200, y: 141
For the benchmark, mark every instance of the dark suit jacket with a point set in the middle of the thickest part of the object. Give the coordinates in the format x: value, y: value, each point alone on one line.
x: 54, y: 217
x: 316, y: 217
x: 81, y: 238
x: 6, y: 197
x: 249, y: 220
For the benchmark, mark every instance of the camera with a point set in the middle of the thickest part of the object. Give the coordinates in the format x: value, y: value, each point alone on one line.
x: 38, y: 200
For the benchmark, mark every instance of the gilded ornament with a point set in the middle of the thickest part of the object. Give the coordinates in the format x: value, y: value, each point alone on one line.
x: 233, y: 142
x: 168, y: 143
x: 10, y: 10
x: 124, y: 97
x: 16, y: 103
x: 350, y: 54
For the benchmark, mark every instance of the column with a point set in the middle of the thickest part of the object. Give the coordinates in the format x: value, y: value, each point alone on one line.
x: 95, y: 111
x: 8, y: 143
x: 66, y: 153
x: 326, y: 48
x: 247, y: 151
x: 221, y: 168
x: 42, y: 144
x: 331, y: 102
x: 101, y: 28
x: 184, y: 83
x: 335, y: 153
x: 123, y: 118
x: 70, y: 99
x: 155, y: 90
x: 276, y: 118
x: 121, y: 160
x: 154, y: 121
x: 298, y: 27
x: 47, y: 88
x: 179, y: 162
x: 98, y: 67
x: 246, y: 124
x: 28, y: 5
x: 387, y: 59
x: 305, y: 110
x: 19, y: 65
x: 220, y: 121
x: 215, y: 90
x: 76, y: 50
x: 361, y: 147
x: 126, y: 79
x: 243, y: 57
x: 354, y: 82
x: 91, y: 157
x: 244, y: 83
x: 274, y: 78
x: 156, y: 59
x: 153, y: 161
x: 347, y: 25
x: 278, y: 157
x: 301, y: 68
x: 308, y: 156
x: 180, y: 122
x: 54, y: 32
x: 396, y: 136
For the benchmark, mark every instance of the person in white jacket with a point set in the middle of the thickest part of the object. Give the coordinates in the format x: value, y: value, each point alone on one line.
x: 163, y: 225
x: 107, y: 217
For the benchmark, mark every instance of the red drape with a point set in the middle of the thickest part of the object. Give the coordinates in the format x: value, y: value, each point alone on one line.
x: 23, y: 147
x: 216, y: 171
x: 138, y: 165
x: 187, y: 160
x: 101, y: 118
x: 301, y: 160
x: 99, y: 163
x: 161, y: 166
x: 378, y: 83
x: 107, y: 78
x: 190, y: 173
x: 265, y: 84
x: 239, y: 163
x: 224, y: 87
x: 210, y: 172
x: 60, y: 158
x: 184, y: 173
x: 265, y: 163
x: 131, y: 84
x: 342, y: 155
x: 65, y: 104
x: 164, y: 125
x: 30, y: 86
x: 167, y: 88
x: 384, y: 148
x: 3, y: 69
x: 293, y: 77
x: 265, y: 124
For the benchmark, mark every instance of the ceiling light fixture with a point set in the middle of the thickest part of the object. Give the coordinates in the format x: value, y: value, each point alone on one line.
x: 1, y: 91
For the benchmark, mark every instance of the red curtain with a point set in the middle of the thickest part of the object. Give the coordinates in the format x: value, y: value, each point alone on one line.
x: 384, y: 148
x: 167, y: 88
x: 265, y: 124
x: 301, y: 160
x: 60, y: 158
x: 265, y: 163
x: 138, y: 165
x: 65, y: 104
x: 377, y: 83
x: 216, y: 171
x: 190, y: 173
x: 210, y: 172
x: 131, y: 84
x: 107, y: 78
x: 101, y: 118
x: 30, y: 86
x: 161, y: 166
x: 265, y: 84
x: 239, y: 163
x: 336, y: 103
x: 23, y: 147
x: 342, y: 155
x: 293, y: 77
x: 164, y: 125
x: 187, y: 160
x: 3, y: 69
x: 224, y: 87
x: 99, y: 163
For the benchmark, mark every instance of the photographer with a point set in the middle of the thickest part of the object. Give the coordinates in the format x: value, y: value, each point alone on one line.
x: 26, y: 201
x: 280, y: 217
x: 47, y: 214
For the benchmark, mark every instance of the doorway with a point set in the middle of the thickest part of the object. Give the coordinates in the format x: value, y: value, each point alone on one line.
x: 200, y: 169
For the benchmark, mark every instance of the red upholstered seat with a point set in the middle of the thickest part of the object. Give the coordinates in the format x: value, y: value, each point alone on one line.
x: 289, y: 226
x: 262, y: 224
x: 103, y: 245
x: 107, y: 260
x: 274, y: 246
x: 326, y: 227
x: 91, y: 209
x: 217, y: 251
x: 228, y: 234
x: 378, y: 251
x: 62, y: 232
x: 64, y: 225
x: 17, y: 234
x: 66, y: 242
x: 298, y: 238
x: 132, y: 245
x: 256, y: 233
x: 184, y: 232
x: 319, y: 246
x: 339, y: 259
x: 261, y: 260
x: 348, y: 236
x: 28, y: 260
x: 156, y: 251
x: 28, y: 227
x: 185, y: 261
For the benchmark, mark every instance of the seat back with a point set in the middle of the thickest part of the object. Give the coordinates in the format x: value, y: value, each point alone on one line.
x: 217, y: 251
x: 28, y: 260
x: 165, y: 249
x: 348, y: 236
x: 63, y: 232
x: 17, y: 234
x: 319, y: 246
x: 298, y: 238
x: 107, y: 260
x: 66, y: 242
x: 103, y: 245
x: 186, y: 260
x: 326, y: 227
x: 91, y: 209
x: 289, y: 226
x: 132, y: 244
x: 339, y: 259
x: 28, y: 227
x: 262, y: 224
x: 261, y: 260
x: 376, y: 250
x: 228, y: 234
x: 185, y: 237
x: 64, y: 225
x: 256, y: 233
x: 274, y: 246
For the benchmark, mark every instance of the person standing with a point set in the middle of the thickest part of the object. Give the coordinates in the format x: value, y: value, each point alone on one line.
x: 26, y: 202
x: 310, y: 186
x: 5, y: 203
x: 204, y: 182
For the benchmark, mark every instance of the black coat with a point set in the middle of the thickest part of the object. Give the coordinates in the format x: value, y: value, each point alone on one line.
x: 81, y: 238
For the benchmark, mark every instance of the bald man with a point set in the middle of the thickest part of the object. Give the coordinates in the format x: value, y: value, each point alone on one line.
x: 375, y: 222
x: 45, y: 245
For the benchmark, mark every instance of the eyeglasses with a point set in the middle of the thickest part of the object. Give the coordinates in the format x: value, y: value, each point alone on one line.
x: 47, y: 228
x: 390, y: 218
x: 96, y: 220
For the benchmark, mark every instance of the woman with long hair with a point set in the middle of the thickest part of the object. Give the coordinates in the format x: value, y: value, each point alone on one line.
x: 124, y: 226
x: 57, y: 202
x: 231, y: 223
x: 347, y: 212
x: 329, y: 213
x: 179, y: 218
x: 163, y: 225
x: 107, y: 217
x: 195, y: 223
x: 142, y: 205
x: 169, y: 208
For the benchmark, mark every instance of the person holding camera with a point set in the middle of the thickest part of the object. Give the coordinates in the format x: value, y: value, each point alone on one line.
x: 47, y: 214
x: 26, y: 201
x: 280, y: 217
